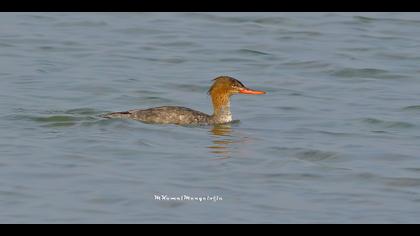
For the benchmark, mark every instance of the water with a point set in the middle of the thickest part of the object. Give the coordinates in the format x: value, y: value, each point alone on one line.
x: 335, y: 139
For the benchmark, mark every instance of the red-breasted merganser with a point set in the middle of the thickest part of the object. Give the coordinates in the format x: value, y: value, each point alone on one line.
x: 220, y: 92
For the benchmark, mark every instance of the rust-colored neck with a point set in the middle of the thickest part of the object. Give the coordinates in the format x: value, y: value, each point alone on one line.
x: 221, y: 106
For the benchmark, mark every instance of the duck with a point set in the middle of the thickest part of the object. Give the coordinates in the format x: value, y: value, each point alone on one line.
x: 221, y: 90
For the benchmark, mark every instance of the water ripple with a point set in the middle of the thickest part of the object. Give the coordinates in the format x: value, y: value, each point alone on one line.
x: 306, y: 154
x: 387, y: 124
x: 364, y: 72
x: 412, y: 108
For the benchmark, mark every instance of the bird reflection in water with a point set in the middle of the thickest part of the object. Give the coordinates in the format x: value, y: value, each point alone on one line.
x: 224, y: 141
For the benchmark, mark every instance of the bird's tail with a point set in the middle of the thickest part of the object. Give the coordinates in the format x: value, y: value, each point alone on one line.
x: 117, y: 115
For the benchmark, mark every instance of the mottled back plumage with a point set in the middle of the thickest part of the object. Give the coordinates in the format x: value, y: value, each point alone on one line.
x: 164, y: 115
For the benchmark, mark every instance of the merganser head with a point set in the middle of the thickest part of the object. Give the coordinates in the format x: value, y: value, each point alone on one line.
x: 220, y: 92
x: 225, y: 85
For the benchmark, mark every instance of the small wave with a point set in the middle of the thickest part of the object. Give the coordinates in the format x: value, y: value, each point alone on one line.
x: 316, y: 155
x: 189, y: 87
x: 307, y: 154
x: 140, y: 31
x: 65, y: 48
x: 413, y: 169
x: 62, y: 118
x: 412, y: 108
x: 292, y: 176
x: 272, y: 20
x: 305, y: 33
x: 387, y: 124
x: 398, y: 56
x: 177, y: 44
x: 366, y: 19
x: 400, y: 125
x: 254, y: 52
x: 174, y: 60
x: 155, y: 99
x: 6, y: 45
x: 364, y: 72
x: 306, y: 64
x: 82, y: 24
x: 83, y: 111
x: 220, y: 17
x: 403, y: 182
x: 235, y: 59
x: 288, y: 108
x: 359, y: 49
x: 56, y: 121
x: 372, y: 121
x: 341, y: 134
